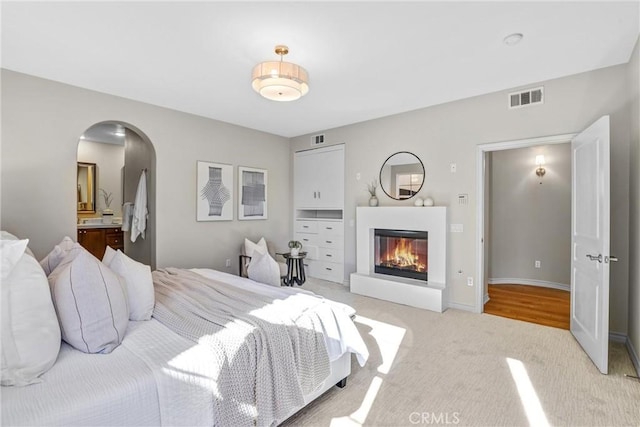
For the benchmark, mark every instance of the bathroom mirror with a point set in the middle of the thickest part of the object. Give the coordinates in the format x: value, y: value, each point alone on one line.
x: 86, y: 187
x: 402, y: 175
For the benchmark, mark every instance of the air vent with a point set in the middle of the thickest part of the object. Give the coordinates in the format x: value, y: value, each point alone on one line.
x: 526, y: 98
x: 317, y: 139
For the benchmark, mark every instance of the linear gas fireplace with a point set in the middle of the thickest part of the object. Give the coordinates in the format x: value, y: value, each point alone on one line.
x: 401, y: 253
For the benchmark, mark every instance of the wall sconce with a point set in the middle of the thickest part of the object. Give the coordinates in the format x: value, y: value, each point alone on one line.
x: 540, y: 171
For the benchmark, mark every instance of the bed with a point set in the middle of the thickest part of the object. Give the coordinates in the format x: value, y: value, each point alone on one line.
x: 177, y: 369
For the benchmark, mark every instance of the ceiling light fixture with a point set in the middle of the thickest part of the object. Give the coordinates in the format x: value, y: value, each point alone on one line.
x: 279, y: 80
x: 513, y: 39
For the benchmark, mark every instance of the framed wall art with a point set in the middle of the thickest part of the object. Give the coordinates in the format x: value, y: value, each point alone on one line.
x: 252, y: 200
x: 214, y: 186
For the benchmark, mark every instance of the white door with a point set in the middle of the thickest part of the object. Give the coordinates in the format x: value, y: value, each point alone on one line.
x: 590, y: 258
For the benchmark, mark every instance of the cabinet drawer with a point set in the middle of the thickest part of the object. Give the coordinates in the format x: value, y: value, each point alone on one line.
x: 330, y: 242
x: 330, y: 271
x: 330, y: 255
x: 306, y: 227
x: 307, y: 239
x: 115, y: 239
x: 330, y: 228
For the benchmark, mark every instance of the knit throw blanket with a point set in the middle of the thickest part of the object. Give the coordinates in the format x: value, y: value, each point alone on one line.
x: 266, y: 353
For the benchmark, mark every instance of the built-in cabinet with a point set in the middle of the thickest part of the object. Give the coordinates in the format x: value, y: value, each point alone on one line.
x: 319, y: 178
x: 318, y: 210
x: 96, y: 240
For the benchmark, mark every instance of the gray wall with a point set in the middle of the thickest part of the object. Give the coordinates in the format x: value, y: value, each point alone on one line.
x: 634, y: 197
x: 109, y: 159
x: 450, y: 133
x: 41, y: 124
x: 531, y: 216
x: 138, y: 155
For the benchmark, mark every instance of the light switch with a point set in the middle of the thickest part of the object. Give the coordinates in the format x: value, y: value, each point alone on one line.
x: 456, y: 228
x: 358, y: 176
x: 454, y: 167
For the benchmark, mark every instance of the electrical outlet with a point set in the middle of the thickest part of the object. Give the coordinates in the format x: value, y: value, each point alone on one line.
x: 469, y: 281
x: 227, y: 263
x: 537, y: 264
x: 454, y: 167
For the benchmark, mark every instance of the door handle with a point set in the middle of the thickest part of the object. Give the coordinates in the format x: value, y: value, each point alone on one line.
x: 611, y: 258
x: 595, y: 258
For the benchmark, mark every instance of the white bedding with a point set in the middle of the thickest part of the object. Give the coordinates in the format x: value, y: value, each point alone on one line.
x: 155, y: 377
x: 93, y: 389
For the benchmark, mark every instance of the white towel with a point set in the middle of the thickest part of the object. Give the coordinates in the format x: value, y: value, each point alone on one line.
x: 140, y: 213
x: 127, y: 214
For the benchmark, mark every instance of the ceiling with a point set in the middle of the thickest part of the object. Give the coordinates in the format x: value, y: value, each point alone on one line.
x: 365, y: 59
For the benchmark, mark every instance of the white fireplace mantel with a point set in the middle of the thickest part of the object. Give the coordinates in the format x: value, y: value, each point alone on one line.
x: 430, y: 295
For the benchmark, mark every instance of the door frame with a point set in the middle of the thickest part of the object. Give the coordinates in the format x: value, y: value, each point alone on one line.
x: 481, y: 154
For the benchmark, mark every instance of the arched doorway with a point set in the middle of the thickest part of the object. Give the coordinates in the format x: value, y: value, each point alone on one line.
x: 120, y: 153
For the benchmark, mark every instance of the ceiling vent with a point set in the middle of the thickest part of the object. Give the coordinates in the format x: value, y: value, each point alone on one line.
x: 317, y: 139
x: 526, y: 98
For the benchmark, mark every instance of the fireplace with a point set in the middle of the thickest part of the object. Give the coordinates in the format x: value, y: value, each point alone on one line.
x: 401, y: 253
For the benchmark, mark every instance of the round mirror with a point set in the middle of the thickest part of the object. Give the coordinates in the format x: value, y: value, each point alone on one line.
x: 402, y: 175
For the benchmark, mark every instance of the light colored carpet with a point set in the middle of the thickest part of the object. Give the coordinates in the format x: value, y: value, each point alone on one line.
x: 460, y: 368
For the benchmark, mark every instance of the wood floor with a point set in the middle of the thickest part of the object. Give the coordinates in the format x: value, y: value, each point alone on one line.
x: 533, y: 304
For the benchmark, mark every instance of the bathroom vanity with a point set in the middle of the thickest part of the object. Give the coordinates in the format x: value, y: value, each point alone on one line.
x: 96, y: 237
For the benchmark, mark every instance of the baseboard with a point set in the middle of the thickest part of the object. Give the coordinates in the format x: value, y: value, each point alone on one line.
x: 529, y: 282
x: 617, y: 337
x: 463, y: 307
x: 624, y: 339
x: 634, y: 356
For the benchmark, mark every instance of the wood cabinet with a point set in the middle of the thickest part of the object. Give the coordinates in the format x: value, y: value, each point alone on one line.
x: 96, y: 240
x: 319, y: 178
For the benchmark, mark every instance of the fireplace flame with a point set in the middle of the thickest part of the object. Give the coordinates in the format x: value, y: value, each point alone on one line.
x: 403, y: 256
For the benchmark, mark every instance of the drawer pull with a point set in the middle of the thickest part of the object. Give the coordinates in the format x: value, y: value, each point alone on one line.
x: 329, y: 228
x: 329, y: 241
x: 305, y: 240
x: 328, y: 255
x: 305, y: 226
x: 328, y: 269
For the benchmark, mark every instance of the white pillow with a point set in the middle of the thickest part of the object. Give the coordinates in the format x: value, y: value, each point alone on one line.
x: 137, y: 277
x: 264, y: 269
x: 91, y: 302
x: 30, y: 329
x: 59, y: 252
x: 109, y: 253
x: 11, y: 251
x: 250, y: 248
x: 5, y: 235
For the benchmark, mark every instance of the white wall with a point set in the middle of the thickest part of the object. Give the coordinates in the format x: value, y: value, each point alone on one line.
x: 109, y: 159
x: 449, y: 133
x: 634, y: 197
x: 41, y: 124
x: 531, y: 216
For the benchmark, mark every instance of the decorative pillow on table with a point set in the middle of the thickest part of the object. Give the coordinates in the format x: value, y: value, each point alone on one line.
x: 137, y: 278
x: 59, y: 252
x: 30, y: 330
x: 264, y: 269
x: 91, y: 302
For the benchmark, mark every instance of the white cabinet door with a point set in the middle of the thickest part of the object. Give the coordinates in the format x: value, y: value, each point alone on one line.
x: 319, y: 178
x: 305, y: 172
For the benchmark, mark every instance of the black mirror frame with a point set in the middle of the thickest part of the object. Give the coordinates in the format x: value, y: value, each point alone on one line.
x: 385, y: 162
